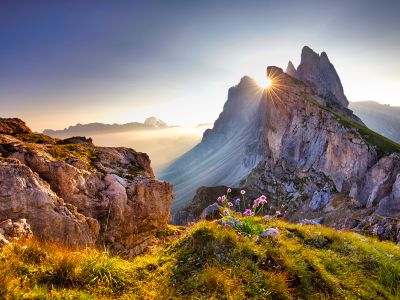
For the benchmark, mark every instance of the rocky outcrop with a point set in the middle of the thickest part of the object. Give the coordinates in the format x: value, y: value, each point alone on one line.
x: 13, y: 126
x: 87, y: 195
x: 318, y: 70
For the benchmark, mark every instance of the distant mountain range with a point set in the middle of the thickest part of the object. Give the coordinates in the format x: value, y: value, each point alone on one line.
x: 381, y: 118
x: 94, y: 128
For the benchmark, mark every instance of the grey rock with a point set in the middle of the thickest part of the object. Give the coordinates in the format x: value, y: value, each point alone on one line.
x: 316, y: 221
x: 231, y: 222
x: 319, y: 200
x: 211, y: 212
x: 273, y: 232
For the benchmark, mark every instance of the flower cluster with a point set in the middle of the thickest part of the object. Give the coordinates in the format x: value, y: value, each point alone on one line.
x: 239, y: 204
x: 262, y: 200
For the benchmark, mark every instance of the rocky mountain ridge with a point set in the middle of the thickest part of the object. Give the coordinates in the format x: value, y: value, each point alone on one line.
x: 72, y: 192
x: 316, y: 158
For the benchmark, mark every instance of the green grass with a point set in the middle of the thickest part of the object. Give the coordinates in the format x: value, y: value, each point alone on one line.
x: 36, y: 138
x: 384, y: 146
x: 78, y: 151
x: 209, y: 261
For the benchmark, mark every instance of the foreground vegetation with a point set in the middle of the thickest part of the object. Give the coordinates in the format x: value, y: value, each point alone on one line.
x: 213, y: 261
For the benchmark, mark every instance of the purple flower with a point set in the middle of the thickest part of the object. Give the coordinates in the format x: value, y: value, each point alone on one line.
x: 243, y: 192
x: 248, y: 212
x: 237, y: 201
x: 229, y: 190
x: 225, y: 212
x: 278, y: 213
x: 262, y: 201
x: 230, y: 204
x: 263, y: 197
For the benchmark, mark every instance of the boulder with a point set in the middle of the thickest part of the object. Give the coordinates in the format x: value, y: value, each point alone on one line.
x: 272, y: 232
x: 211, y: 212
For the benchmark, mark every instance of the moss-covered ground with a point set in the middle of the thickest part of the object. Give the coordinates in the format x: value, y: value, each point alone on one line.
x: 209, y: 261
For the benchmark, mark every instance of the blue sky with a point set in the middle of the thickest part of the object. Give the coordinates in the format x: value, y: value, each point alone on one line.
x: 63, y: 62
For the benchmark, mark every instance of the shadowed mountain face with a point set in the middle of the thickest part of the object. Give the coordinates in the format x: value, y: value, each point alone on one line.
x: 227, y: 152
x: 299, y: 145
x: 382, y: 118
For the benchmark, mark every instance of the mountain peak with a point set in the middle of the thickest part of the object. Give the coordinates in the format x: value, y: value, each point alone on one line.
x: 154, y: 122
x: 317, y: 69
x: 290, y: 69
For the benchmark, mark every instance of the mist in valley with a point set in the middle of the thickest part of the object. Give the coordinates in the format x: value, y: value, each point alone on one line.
x: 162, y: 145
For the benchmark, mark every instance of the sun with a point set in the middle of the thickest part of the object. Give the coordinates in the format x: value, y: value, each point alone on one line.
x: 268, y: 83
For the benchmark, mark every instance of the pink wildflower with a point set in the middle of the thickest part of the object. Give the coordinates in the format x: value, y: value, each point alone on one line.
x: 230, y: 204
x: 248, y: 212
x: 229, y: 190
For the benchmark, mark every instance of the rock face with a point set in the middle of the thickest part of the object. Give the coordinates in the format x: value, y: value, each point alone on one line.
x: 227, y: 152
x: 73, y: 192
x: 317, y: 69
x: 317, y: 159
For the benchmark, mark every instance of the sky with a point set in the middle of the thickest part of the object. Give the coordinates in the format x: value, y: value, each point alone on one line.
x: 68, y: 62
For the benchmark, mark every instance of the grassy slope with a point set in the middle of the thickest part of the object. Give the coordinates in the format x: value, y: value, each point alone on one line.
x: 209, y: 261
x: 383, y: 145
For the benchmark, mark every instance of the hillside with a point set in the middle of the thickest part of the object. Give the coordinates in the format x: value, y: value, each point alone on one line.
x: 211, y: 261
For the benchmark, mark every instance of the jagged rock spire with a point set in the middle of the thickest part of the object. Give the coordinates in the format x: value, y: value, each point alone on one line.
x: 290, y: 69
x: 319, y: 70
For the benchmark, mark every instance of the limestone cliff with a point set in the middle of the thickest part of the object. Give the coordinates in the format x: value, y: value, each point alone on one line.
x: 73, y: 192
